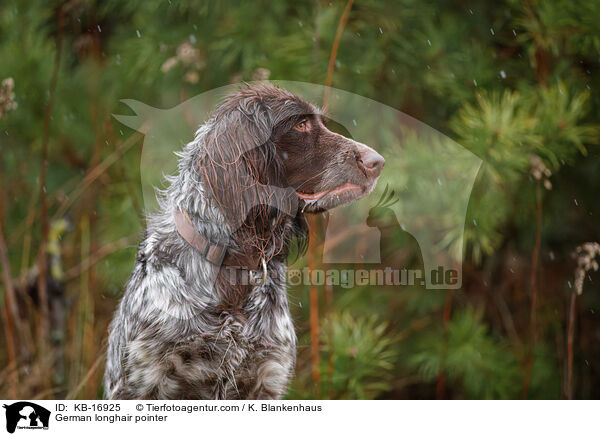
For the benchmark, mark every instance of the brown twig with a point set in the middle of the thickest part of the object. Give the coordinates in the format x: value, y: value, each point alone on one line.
x: 533, y: 309
x: 80, y: 187
x: 42, y: 282
x: 440, y: 387
x: 124, y: 174
x: 47, y: 394
x: 98, y: 255
x: 73, y: 393
x: 28, y: 236
x: 82, y: 313
x: 330, y: 334
x: 12, y: 317
x: 506, y: 317
x: 314, y: 304
x: 414, y: 326
x: 313, y: 245
x: 95, y: 173
x: 24, y: 228
x: 570, y: 335
x: 328, y: 286
x: 334, y: 50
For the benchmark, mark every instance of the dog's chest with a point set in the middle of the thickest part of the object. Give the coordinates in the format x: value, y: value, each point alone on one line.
x: 228, y: 355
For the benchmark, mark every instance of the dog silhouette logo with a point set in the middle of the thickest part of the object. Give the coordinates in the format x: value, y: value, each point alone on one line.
x: 421, y: 217
x: 26, y: 415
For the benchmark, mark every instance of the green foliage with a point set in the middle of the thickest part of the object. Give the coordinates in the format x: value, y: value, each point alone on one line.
x: 364, y: 356
x: 512, y: 82
x: 505, y: 130
x: 475, y: 363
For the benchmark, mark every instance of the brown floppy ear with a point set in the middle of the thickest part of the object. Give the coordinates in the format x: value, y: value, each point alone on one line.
x: 241, y: 170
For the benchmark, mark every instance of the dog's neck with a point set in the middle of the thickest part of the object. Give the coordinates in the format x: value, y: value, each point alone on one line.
x: 205, y: 230
x: 186, y: 193
x: 238, y: 249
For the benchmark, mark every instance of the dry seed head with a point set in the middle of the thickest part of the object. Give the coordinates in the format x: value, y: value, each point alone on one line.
x: 585, y: 254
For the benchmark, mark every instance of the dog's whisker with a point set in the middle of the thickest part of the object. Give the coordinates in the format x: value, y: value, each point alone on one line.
x: 311, y: 178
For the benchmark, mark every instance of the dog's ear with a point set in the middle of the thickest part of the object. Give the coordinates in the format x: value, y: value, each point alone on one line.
x: 241, y: 125
x: 240, y: 167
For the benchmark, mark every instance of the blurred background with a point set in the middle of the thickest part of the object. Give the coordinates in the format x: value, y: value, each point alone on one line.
x: 517, y: 83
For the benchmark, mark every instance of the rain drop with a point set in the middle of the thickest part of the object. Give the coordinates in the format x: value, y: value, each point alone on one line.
x: 139, y: 35
x: 492, y: 31
x: 502, y: 74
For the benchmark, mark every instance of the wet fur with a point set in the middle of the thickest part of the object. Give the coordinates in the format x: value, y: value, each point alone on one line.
x: 183, y: 330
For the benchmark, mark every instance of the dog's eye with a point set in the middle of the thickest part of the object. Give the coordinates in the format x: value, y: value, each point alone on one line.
x: 302, y: 126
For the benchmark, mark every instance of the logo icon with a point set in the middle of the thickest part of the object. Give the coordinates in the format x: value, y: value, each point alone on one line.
x: 26, y: 415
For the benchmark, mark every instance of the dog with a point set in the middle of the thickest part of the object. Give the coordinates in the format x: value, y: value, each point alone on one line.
x: 186, y: 328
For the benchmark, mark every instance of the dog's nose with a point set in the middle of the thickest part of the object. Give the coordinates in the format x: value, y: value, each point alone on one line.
x: 370, y: 161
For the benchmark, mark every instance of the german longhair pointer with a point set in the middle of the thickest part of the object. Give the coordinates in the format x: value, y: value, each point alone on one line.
x: 189, y: 328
